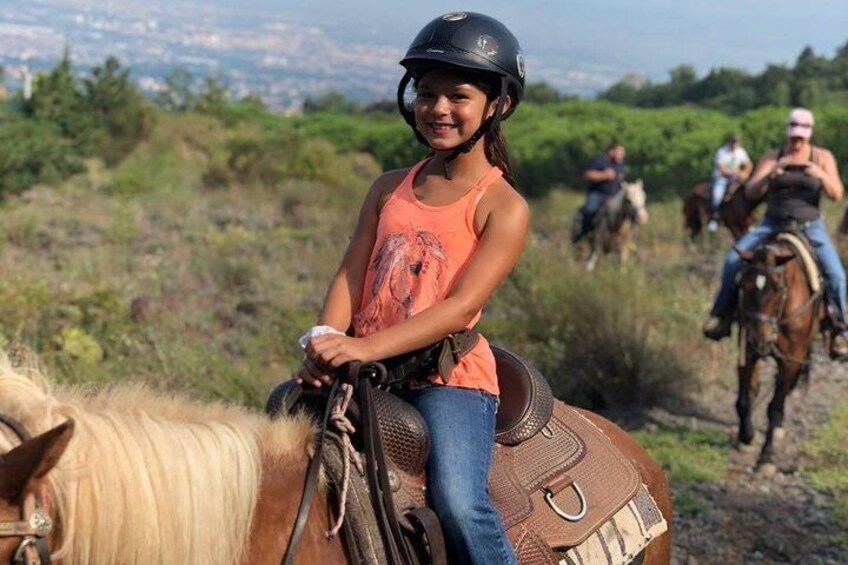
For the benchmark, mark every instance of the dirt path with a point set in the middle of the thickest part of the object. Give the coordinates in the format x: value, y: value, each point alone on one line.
x: 755, y: 519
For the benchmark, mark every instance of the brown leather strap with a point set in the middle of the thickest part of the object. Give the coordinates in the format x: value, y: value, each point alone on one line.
x: 424, y: 519
x: 558, y: 485
x: 440, y: 357
x: 376, y: 468
x: 311, y: 481
x: 16, y: 427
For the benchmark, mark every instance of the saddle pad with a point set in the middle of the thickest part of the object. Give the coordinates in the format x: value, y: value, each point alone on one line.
x: 570, y: 445
x: 621, y: 538
x: 806, y: 257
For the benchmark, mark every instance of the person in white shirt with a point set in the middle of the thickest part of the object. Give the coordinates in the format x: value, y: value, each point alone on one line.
x: 731, y: 164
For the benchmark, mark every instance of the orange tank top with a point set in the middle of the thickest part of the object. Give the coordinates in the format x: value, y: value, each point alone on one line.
x: 419, y: 253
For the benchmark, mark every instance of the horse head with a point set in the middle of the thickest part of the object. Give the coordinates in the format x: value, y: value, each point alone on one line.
x: 635, y: 194
x: 26, y: 519
x: 763, y: 291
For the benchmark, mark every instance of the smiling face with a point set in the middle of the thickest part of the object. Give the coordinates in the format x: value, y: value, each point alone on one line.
x: 449, y: 109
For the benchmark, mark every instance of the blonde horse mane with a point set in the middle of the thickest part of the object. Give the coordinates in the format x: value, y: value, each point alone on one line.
x: 150, y: 478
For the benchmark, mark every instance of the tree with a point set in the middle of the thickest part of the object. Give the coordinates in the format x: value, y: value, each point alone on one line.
x: 213, y: 96
x: 57, y: 99
x: 333, y: 102
x: 178, y: 94
x: 541, y: 93
x: 683, y: 80
x: 774, y: 86
x: 118, y: 111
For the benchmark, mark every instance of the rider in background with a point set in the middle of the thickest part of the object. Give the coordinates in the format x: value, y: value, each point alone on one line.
x: 731, y: 164
x: 432, y: 243
x: 792, y: 179
x: 604, y: 176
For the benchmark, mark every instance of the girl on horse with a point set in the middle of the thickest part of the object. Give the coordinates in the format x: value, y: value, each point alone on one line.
x: 432, y: 243
x: 792, y: 179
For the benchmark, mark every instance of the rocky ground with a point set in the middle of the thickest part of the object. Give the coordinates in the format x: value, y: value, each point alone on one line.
x: 751, y: 517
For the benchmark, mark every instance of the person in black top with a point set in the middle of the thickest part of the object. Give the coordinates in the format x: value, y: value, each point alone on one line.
x: 792, y: 179
x: 604, y: 176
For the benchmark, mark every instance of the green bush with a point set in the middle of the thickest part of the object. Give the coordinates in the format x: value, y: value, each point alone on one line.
x: 603, y: 339
x: 33, y: 151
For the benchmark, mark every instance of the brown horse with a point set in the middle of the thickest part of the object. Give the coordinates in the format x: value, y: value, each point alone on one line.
x: 615, y: 223
x: 736, y: 212
x: 780, y: 312
x: 144, y: 478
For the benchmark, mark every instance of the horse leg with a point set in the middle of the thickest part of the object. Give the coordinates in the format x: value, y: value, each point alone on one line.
x: 786, y: 379
x: 592, y: 260
x: 658, y: 551
x: 595, y: 250
x: 748, y: 389
x: 625, y: 241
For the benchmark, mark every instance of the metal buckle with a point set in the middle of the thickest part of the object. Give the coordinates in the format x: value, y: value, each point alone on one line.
x: 549, y: 498
x: 20, y: 557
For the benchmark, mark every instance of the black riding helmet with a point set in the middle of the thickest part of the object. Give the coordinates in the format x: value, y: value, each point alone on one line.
x: 472, y: 42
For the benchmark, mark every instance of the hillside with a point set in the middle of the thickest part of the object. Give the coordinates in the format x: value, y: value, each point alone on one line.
x: 196, y: 258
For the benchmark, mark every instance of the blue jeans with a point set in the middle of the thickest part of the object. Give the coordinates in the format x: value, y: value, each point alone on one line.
x: 462, y: 438
x: 719, y: 189
x: 831, y: 265
x: 594, y: 201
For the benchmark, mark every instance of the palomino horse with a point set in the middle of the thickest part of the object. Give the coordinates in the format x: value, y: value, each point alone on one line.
x: 780, y: 311
x: 613, y: 228
x: 133, y: 477
x: 736, y: 211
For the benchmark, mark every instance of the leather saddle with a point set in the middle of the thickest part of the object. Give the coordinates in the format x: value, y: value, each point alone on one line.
x: 549, y: 491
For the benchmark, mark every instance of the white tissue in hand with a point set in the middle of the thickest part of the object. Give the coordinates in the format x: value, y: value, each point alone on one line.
x: 316, y: 331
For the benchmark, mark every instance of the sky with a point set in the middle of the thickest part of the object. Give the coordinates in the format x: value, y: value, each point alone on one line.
x: 600, y: 40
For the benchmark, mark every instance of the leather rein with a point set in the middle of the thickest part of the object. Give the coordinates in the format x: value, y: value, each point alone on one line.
x: 35, y: 523
x: 364, y: 377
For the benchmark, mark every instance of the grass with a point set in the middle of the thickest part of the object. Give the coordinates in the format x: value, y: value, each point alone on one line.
x: 827, y: 463
x: 688, y: 456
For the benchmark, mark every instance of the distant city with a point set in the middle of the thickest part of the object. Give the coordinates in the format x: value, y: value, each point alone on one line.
x: 283, y: 62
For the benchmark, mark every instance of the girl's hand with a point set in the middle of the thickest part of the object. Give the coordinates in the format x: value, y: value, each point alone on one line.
x: 333, y: 351
x: 310, y: 374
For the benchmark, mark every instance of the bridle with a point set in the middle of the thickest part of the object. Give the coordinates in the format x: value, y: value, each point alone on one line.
x: 778, y: 320
x: 35, y: 523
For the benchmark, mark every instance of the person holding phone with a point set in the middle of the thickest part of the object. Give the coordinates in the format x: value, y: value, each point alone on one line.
x: 792, y: 179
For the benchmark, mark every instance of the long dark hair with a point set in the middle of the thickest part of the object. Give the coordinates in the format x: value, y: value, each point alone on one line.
x: 494, y: 142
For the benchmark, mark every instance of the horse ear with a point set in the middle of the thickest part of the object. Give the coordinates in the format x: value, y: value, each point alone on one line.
x: 32, y: 460
x: 745, y: 254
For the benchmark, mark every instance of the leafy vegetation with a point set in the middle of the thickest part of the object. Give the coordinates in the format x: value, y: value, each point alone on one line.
x: 814, y: 81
